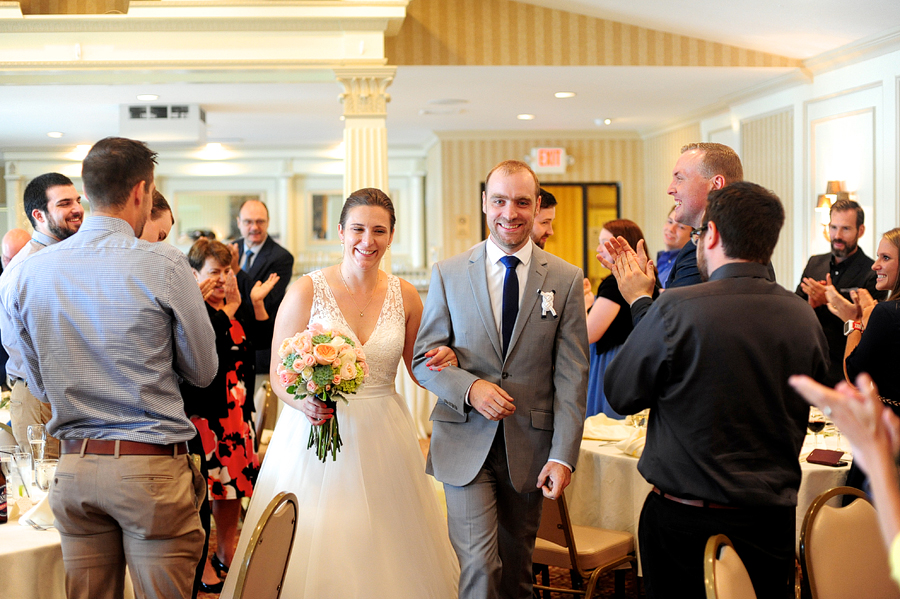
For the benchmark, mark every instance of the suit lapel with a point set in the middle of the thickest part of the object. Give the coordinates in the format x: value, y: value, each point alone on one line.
x: 537, y: 272
x: 479, y: 284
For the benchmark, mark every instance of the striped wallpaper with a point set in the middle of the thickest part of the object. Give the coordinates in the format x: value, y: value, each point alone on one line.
x: 504, y: 32
x: 72, y: 7
x: 768, y: 157
x: 466, y: 161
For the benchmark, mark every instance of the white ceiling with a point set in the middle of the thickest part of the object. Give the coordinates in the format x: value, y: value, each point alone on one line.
x: 636, y: 98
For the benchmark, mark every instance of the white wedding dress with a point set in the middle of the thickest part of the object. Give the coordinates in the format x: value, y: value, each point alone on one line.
x: 369, y: 524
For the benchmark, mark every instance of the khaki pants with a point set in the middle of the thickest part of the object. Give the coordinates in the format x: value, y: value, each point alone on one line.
x: 138, y: 510
x: 26, y: 409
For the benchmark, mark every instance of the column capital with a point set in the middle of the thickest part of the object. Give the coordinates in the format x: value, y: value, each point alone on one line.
x: 364, y: 90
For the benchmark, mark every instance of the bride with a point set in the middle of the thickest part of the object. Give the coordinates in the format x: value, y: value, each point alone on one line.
x: 369, y: 524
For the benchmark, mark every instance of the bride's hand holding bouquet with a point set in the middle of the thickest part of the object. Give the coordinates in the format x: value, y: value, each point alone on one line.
x: 321, y: 365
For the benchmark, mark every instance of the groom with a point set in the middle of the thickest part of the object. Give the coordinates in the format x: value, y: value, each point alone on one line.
x: 509, y: 418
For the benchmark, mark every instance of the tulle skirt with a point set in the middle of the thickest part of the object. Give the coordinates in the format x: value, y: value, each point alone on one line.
x: 369, y: 523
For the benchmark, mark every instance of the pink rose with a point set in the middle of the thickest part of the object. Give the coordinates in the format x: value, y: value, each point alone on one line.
x: 285, y: 348
x: 325, y: 354
x: 309, y: 360
x: 288, y: 378
x: 316, y: 328
x: 348, y: 371
x: 365, y: 368
x: 311, y: 386
x: 360, y: 354
x: 297, y: 365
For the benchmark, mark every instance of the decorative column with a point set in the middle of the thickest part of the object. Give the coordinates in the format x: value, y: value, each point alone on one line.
x: 15, y: 191
x: 365, y: 131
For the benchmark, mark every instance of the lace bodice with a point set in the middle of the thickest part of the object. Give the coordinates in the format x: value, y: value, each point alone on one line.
x: 385, y: 346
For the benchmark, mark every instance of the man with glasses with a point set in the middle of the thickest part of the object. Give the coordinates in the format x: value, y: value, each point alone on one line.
x: 257, y: 257
x: 711, y: 361
x: 701, y: 168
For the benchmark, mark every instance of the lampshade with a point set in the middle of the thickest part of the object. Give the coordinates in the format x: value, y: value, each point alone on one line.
x: 834, y: 187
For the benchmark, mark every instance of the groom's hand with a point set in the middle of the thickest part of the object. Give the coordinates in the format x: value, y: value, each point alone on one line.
x: 491, y: 401
x: 553, y: 479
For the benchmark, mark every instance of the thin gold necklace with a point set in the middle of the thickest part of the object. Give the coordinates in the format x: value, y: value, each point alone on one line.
x: 353, y: 299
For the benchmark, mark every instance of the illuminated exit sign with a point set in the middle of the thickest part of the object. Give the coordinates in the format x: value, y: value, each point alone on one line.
x: 549, y: 160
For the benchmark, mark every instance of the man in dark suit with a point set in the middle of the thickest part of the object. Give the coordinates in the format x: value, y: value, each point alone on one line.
x: 258, y: 256
x: 847, y: 268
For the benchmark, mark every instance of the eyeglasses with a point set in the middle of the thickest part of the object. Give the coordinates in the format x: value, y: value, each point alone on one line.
x: 696, y: 233
x: 259, y: 222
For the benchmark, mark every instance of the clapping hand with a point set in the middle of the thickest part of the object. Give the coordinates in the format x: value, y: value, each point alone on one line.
x: 441, y: 357
x: 838, y: 304
x: 262, y: 288
x: 206, y: 288
x: 588, y: 294
x: 871, y: 427
x: 235, y: 257
x: 232, y: 295
x: 634, y: 271
x: 815, y: 291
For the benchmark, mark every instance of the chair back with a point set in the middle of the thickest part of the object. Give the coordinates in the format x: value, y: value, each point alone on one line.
x: 556, y: 526
x: 841, y: 552
x: 265, y: 562
x: 724, y: 573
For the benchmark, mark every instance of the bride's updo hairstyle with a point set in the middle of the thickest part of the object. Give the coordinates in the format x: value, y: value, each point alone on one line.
x: 368, y: 196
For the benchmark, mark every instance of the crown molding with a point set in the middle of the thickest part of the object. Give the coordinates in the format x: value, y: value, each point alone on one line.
x: 866, y: 48
x: 542, y: 134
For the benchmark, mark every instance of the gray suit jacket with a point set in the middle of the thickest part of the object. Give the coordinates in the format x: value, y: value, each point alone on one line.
x: 545, y: 371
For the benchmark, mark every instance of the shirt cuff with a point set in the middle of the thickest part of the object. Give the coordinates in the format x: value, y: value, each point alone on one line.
x: 566, y: 464
x: 649, y: 297
x: 469, y: 390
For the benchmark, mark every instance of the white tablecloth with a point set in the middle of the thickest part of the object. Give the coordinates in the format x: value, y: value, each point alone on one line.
x: 32, y: 566
x: 607, y: 491
x: 32, y: 563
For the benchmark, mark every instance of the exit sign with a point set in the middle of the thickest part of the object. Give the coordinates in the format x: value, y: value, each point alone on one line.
x: 549, y: 160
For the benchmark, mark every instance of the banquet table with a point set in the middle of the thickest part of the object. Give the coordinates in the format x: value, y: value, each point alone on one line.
x: 32, y: 564
x: 607, y: 491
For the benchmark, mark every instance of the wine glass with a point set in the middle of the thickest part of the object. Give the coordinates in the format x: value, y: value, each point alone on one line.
x: 44, y: 470
x: 816, y: 423
x: 37, y: 437
x: 23, y: 464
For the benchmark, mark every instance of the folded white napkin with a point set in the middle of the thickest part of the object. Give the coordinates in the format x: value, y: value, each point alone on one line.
x: 40, y: 514
x: 604, y: 428
x: 634, y: 444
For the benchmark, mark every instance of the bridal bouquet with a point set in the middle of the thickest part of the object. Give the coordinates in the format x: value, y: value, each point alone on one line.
x: 327, y: 365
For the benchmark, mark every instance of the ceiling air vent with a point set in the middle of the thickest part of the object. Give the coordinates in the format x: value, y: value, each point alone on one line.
x: 176, y: 123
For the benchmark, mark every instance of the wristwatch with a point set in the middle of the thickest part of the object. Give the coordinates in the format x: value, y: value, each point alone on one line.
x: 852, y: 325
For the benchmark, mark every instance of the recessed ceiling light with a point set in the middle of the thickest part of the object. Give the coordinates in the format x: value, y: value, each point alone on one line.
x: 525, y: 117
x: 564, y: 94
x: 607, y: 121
x: 602, y: 121
x: 448, y: 101
x: 55, y: 134
x: 147, y: 97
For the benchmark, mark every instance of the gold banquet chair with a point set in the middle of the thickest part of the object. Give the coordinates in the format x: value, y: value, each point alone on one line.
x: 585, y: 551
x: 724, y: 573
x: 841, y: 551
x: 266, y: 559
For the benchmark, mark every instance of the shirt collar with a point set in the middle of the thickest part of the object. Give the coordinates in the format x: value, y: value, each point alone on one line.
x: 494, y: 253
x: 254, y: 248
x: 740, y: 269
x: 43, y: 239
x: 107, y: 223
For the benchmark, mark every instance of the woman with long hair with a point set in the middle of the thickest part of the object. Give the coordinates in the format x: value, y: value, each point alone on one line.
x: 609, y: 320
x: 369, y: 524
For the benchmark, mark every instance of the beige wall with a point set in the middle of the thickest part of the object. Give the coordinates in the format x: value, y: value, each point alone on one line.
x: 466, y: 161
x: 768, y: 158
x: 660, y: 153
x: 503, y: 32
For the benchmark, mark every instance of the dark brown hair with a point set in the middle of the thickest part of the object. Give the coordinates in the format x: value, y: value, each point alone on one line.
x: 749, y: 218
x: 113, y: 167
x: 622, y: 227
x: 368, y: 196
x: 205, y: 248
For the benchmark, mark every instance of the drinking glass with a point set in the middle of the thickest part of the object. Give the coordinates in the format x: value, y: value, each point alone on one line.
x: 44, y: 470
x: 37, y: 437
x: 23, y: 462
x: 816, y: 423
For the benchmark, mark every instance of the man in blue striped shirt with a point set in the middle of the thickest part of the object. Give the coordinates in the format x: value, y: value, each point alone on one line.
x: 106, y: 326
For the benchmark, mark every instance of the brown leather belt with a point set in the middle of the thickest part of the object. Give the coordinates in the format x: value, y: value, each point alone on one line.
x: 97, y: 447
x: 694, y: 502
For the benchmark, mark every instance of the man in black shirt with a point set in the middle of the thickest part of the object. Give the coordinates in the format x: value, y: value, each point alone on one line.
x: 712, y: 361
x: 847, y: 268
